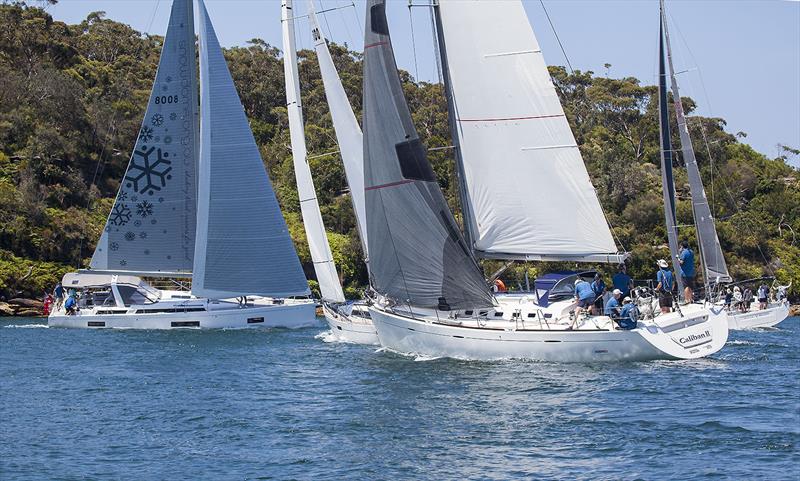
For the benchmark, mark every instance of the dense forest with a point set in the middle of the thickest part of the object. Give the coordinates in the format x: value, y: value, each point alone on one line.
x: 72, y: 99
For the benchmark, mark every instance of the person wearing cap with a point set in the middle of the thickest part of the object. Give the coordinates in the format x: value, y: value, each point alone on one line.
x: 666, y: 284
x: 628, y: 315
x: 612, y: 306
x: 686, y: 260
x: 622, y: 280
x: 599, y: 288
x: 585, y: 297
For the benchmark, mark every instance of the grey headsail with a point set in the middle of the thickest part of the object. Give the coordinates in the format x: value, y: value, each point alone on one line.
x: 667, y: 180
x: 417, y: 254
x: 151, y: 228
x: 716, y: 270
x: 243, y: 245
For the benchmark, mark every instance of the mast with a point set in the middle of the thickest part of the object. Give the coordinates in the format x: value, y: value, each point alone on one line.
x: 714, y: 267
x: 324, y: 267
x: 345, y: 125
x: 667, y: 180
x: 452, y: 119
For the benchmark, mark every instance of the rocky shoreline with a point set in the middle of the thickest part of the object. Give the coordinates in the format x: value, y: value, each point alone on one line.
x: 21, y: 307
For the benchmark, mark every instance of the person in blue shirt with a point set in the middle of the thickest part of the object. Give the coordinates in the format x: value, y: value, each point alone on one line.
x: 622, y: 280
x: 612, y: 306
x: 599, y: 288
x: 628, y: 315
x: 666, y: 284
x: 686, y: 260
x: 58, y: 293
x: 585, y: 297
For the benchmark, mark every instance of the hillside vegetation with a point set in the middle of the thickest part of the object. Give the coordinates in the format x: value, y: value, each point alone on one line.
x: 72, y: 98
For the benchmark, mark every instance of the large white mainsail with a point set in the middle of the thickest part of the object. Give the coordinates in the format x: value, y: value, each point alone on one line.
x: 243, y: 246
x: 321, y: 255
x: 348, y: 132
x: 151, y: 228
x: 522, y: 169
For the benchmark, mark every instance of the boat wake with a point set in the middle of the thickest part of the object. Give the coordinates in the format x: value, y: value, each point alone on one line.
x: 27, y: 326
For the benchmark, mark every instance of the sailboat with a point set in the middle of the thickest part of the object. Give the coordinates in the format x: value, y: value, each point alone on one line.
x: 712, y: 259
x: 525, y: 195
x: 196, y: 202
x: 348, y: 321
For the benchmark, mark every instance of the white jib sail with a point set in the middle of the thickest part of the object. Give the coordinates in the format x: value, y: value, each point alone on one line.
x: 324, y: 266
x: 528, y: 188
x: 243, y: 246
x: 348, y: 132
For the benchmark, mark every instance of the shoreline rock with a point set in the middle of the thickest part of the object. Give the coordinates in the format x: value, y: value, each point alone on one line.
x: 20, y: 307
x: 794, y: 310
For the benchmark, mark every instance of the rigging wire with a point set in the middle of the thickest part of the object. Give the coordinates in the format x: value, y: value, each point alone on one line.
x: 571, y: 71
x: 413, y: 41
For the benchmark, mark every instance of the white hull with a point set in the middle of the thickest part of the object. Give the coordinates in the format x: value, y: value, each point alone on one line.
x: 354, y: 329
x: 218, y: 315
x: 773, y: 315
x: 699, y: 333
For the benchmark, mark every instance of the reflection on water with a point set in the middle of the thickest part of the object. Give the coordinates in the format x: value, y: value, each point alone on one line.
x: 286, y: 404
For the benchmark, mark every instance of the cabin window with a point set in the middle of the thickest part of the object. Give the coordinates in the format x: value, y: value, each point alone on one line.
x: 498, y: 314
x: 467, y: 313
x: 378, y: 20
x: 531, y: 314
x: 413, y: 162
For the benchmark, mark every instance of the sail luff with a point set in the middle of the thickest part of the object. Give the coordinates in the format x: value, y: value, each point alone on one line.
x: 468, y: 218
x: 243, y: 245
x: 151, y: 227
x: 345, y: 125
x: 321, y: 256
x: 417, y: 254
x: 713, y: 261
x: 667, y: 180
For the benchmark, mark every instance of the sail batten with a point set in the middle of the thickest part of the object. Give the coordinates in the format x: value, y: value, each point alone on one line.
x: 417, y: 254
x: 243, y: 245
x: 715, y: 267
x: 151, y: 227
x: 522, y: 168
x: 324, y: 267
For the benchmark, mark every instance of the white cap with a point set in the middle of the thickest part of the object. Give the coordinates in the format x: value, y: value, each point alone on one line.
x: 577, y: 281
x: 662, y: 263
x: 627, y: 299
x: 617, y: 292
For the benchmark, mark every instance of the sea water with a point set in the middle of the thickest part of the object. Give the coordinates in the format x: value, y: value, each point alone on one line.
x: 280, y: 404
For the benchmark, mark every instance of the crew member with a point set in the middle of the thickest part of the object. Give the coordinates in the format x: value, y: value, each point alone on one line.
x: 666, y: 284
x: 686, y: 260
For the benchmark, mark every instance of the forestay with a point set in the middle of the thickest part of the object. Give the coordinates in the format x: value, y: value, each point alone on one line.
x: 529, y: 194
x: 243, y: 245
x: 716, y: 270
x: 151, y: 228
x: 348, y: 132
x: 324, y: 267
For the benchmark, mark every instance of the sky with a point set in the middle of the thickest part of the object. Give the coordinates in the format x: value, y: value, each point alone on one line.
x: 740, y: 58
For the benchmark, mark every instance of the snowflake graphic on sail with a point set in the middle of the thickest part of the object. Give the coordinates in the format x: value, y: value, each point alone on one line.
x: 144, y: 208
x: 120, y: 215
x: 148, y: 172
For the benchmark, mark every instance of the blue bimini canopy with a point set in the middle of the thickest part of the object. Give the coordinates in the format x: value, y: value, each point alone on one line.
x: 557, y: 285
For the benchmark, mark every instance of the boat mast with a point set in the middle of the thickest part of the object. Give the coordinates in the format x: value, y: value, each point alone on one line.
x: 324, y: 266
x: 711, y: 256
x: 667, y: 181
x: 452, y: 120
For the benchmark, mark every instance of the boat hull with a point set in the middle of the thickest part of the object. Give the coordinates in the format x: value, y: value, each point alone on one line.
x: 697, y: 334
x: 773, y: 315
x: 288, y: 315
x: 347, y: 329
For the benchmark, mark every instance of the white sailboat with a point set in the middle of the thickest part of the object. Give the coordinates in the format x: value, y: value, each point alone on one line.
x: 349, y: 322
x: 196, y: 202
x: 712, y: 258
x: 525, y: 195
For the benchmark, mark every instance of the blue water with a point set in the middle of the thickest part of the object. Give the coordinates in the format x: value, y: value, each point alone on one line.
x: 79, y: 404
